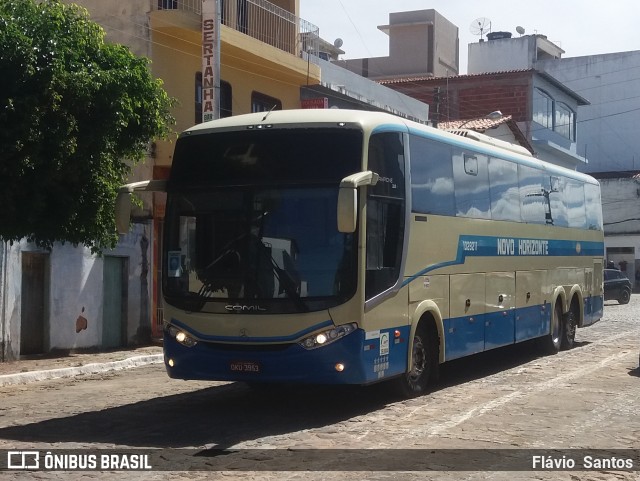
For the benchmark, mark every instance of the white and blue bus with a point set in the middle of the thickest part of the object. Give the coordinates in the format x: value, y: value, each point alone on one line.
x: 350, y: 247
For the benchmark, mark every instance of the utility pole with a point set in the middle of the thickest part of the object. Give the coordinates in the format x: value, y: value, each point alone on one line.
x: 211, y: 20
x: 436, y: 101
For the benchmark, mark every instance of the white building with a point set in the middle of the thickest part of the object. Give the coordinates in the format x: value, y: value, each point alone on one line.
x: 606, y: 128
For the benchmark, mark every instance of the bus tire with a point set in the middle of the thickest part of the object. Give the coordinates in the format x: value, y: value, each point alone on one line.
x: 568, y: 329
x: 553, y: 340
x: 423, y: 364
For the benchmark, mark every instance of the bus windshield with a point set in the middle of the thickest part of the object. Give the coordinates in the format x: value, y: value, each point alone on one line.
x: 263, y: 245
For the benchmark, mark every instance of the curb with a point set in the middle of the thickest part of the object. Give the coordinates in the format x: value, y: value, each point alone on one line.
x: 33, y: 376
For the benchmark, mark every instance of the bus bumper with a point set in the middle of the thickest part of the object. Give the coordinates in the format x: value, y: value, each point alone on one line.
x: 350, y: 360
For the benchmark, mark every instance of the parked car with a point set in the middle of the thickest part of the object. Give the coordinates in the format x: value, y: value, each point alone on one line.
x: 616, y: 286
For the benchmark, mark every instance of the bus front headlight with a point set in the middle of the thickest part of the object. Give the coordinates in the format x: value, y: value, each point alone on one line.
x: 182, y: 337
x: 327, y: 337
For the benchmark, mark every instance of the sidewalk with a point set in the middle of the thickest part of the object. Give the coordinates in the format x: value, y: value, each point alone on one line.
x: 68, y: 364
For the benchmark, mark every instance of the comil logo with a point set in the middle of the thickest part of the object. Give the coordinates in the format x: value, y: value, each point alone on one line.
x: 23, y: 460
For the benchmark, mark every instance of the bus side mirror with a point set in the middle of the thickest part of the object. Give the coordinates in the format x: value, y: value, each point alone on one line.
x: 123, y: 200
x: 348, y: 199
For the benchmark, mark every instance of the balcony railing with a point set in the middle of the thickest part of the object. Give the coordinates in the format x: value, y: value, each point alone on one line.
x: 261, y: 20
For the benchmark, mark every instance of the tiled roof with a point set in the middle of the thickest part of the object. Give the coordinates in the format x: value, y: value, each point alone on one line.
x: 479, y: 125
x: 432, y: 78
x: 483, y: 124
x: 409, y: 80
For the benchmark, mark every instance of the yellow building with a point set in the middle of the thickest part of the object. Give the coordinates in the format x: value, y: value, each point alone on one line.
x: 262, y: 66
x: 261, y: 62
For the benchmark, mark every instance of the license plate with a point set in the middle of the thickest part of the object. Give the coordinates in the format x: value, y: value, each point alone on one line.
x: 244, y: 366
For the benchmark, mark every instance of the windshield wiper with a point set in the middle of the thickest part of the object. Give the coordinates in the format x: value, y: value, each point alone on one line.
x: 289, y: 285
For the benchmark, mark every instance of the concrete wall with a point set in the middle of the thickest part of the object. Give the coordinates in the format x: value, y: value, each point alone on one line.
x: 621, y: 205
x: 74, y: 288
x: 446, y: 48
x: 501, y: 55
x: 621, y: 212
x: 126, y: 23
x: 429, y: 37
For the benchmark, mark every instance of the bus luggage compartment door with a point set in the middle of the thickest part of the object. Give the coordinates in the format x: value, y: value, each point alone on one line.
x: 500, y: 318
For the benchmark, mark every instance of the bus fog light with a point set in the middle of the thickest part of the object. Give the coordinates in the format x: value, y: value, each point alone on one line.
x: 327, y: 337
x: 171, y: 363
x: 339, y: 367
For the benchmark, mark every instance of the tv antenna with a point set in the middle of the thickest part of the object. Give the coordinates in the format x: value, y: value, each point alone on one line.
x: 520, y: 30
x: 479, y: 26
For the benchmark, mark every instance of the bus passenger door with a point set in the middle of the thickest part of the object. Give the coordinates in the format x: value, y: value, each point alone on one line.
x: 464, y: 330
x: 499, y: 324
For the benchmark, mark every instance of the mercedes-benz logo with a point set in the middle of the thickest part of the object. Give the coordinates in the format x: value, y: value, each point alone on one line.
x: 243, y: 333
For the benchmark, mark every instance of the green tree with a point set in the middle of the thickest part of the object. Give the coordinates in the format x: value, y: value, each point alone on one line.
x: 75, y: 114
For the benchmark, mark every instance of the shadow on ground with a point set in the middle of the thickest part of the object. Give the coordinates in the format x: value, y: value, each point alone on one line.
x: 226, y: 415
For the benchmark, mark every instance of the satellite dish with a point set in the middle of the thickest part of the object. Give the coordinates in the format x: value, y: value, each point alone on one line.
x: 480, y: 25
x: 520, y: 30
x: 337, y: 43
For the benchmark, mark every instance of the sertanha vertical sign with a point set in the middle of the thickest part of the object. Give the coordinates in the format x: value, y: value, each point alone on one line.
x: 210, y: 60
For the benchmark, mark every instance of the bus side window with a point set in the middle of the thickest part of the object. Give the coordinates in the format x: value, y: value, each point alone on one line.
x: 471, y: 180
x: 593, y: 207
x: 534, y: 196
x: 503, y: 186
x: 431, y: 177
x: 575, y: 198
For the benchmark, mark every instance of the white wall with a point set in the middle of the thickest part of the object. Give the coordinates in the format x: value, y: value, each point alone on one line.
x: 501, y: 55
x: 621, y: 212
x: 608, y: 128
x: 75, y: 287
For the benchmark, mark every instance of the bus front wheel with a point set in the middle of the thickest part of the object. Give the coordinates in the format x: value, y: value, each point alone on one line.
x: 415, y: 381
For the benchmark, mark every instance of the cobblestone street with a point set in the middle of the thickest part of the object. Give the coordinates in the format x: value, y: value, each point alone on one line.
x: 514, y: 398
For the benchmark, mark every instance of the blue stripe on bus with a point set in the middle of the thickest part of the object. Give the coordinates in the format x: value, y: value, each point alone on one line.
x: 289, y: 338
x: 493, y: 246
x: 494, y: 329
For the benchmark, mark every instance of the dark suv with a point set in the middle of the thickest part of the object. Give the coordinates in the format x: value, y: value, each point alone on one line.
x: 616, y: 286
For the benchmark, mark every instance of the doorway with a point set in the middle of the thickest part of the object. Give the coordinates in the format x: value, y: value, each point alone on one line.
x: 115, y: 297
x: 34, y: 302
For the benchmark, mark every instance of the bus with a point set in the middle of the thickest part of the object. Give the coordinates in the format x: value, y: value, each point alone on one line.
x: 352, y: 247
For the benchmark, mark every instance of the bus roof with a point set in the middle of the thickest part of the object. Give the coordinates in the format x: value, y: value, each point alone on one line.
x: 302, y: 116
x: 369, y: 120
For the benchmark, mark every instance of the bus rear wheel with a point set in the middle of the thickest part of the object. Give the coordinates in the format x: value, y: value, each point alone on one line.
x: 415, y: 381
x: 553, y: 340
x: 568, y: 332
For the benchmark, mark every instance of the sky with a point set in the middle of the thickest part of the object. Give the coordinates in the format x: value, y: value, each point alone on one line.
x: 579, y: 27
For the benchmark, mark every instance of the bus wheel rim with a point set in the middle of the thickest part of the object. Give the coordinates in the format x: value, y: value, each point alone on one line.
x: 419, y: 359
